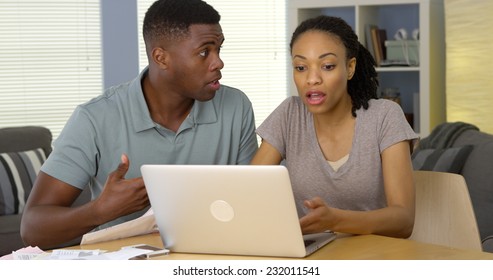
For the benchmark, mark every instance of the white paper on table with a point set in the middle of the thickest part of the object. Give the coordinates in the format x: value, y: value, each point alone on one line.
x: 142, y: 225
x: 26, y: 253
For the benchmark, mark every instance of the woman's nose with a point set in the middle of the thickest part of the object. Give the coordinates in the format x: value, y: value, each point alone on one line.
x: 313, y: 77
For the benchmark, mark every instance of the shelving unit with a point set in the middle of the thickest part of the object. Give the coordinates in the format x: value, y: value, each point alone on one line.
x: 422, y: 87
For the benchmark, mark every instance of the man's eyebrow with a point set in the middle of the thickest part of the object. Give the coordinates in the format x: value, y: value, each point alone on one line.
x: 319, y: 57
x: 212, y: 42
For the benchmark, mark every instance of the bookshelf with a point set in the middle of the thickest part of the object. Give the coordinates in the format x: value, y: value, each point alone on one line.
x: 422, y: 87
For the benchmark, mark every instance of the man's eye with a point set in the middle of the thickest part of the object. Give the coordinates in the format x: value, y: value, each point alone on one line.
x: 204, y: 53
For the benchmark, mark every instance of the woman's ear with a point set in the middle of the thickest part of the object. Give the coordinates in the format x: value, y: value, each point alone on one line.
x: 351, y: 67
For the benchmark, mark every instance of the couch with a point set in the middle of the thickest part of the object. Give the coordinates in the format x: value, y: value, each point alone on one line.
x: 462, y: 148
x: 22, y: 151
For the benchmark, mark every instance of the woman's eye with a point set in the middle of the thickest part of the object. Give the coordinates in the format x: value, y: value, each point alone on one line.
x: 299, y: 68
x: 328, y: 66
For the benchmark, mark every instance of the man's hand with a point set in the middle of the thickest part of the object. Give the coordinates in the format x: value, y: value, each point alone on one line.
x: 122, y: 196
x: 48, y: 220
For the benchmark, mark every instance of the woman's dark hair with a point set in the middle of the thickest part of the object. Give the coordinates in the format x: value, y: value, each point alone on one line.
x: 171, y: 19
x: 363, y: 85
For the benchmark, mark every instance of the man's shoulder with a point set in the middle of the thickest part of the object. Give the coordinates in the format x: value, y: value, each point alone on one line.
x: 225, y: 89
x: 231, y: 94
x: 112, y: 95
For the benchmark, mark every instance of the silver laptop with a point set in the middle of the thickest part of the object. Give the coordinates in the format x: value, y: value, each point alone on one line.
x: 228, y: 209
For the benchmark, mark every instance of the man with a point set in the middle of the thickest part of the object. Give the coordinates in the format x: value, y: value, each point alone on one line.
x: 174, y: 112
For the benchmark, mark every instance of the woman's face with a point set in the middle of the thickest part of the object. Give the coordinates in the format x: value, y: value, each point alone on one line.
x: 321, y: 71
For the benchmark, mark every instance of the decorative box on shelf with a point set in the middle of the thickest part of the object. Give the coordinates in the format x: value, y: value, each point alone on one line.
x: 406, y: 51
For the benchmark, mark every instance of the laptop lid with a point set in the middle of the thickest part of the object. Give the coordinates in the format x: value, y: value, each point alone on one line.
x: 225, y: 209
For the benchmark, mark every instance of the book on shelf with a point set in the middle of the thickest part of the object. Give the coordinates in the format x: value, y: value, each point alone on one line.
x: 376, y: 48
x: 375, y: 42
x: 368, y: 38
x: 382, y: 37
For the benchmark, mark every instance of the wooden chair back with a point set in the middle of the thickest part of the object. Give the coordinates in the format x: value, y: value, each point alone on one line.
x: 444, y: 212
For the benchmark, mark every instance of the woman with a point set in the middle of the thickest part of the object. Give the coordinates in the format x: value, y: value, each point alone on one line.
x: 347, y: 152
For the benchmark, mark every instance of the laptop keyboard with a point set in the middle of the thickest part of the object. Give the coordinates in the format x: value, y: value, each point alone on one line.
x: 309, y: 242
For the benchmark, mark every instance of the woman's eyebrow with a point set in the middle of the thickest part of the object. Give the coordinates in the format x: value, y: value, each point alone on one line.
x: 319, y: 57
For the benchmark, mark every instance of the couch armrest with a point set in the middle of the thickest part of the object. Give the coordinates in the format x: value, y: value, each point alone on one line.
x: 23, y: 138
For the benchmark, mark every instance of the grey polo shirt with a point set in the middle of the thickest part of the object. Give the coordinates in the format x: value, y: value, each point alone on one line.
x: 218, y: 131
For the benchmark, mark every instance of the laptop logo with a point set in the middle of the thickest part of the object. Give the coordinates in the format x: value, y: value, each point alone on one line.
x: 222, y: 211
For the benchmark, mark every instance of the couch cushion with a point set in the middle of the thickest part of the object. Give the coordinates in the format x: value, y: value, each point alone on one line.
x: 10, y: 238
x: 444, y: 160
x: 478, y: 172
x: 18, y: 170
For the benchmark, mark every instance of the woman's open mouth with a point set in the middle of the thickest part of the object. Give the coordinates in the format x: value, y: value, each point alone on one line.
x: 315, y: 97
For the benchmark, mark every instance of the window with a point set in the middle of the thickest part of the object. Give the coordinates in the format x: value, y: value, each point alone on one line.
x: 254, y: 51
x: 50, y: 57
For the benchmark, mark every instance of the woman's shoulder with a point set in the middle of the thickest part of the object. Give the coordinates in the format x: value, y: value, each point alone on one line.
x: 383, y: 107
x: 290, y: 110
x: 293, y: 102
x: 382, y: 102
x: 294, y: 106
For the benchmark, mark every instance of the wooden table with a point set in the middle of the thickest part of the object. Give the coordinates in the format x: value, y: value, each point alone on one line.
x: 363, y: 247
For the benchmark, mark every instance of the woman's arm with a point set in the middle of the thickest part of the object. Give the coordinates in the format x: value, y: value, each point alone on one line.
x: 266, y: 155
x: 396, y: 220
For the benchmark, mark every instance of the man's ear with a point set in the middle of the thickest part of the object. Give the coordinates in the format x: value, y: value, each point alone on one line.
x: 161, y: 57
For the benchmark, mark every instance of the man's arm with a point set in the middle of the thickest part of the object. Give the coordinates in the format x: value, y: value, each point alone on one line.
x: 48, y: 219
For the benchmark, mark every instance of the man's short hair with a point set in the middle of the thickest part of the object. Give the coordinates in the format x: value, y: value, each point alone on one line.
x: 171, y: 19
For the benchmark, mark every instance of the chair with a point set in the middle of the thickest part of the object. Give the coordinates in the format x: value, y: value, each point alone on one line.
x: 444, y: 212
x: 16, y: 140
x: 16, y: 175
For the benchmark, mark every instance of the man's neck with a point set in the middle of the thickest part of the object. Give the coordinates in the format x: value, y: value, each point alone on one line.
x: 168, y: 110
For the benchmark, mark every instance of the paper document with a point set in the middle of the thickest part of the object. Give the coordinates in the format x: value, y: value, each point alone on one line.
x: 123, y: 254
x: 142, y: 225
x: 62, y: 254
x: 26, y: 253
x: 35, y: 253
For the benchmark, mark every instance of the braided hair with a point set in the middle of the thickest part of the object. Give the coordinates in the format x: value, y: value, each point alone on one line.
x: 364, y: 83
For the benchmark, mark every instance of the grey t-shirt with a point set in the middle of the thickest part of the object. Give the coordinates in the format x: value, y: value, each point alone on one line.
x: 358, y: 183
x: 218, y: 131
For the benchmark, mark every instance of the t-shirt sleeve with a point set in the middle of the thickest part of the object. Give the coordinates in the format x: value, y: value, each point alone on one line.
x: 394, y: 126
x: 274, y: 129
x: 74, y: 152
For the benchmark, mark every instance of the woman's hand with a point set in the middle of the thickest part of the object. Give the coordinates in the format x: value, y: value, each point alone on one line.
x: 320, y: 217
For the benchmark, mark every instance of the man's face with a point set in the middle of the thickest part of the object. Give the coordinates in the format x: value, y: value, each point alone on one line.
x: 195, y: 66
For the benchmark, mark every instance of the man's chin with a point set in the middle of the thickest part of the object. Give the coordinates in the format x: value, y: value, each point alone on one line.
x: 206, y: 97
